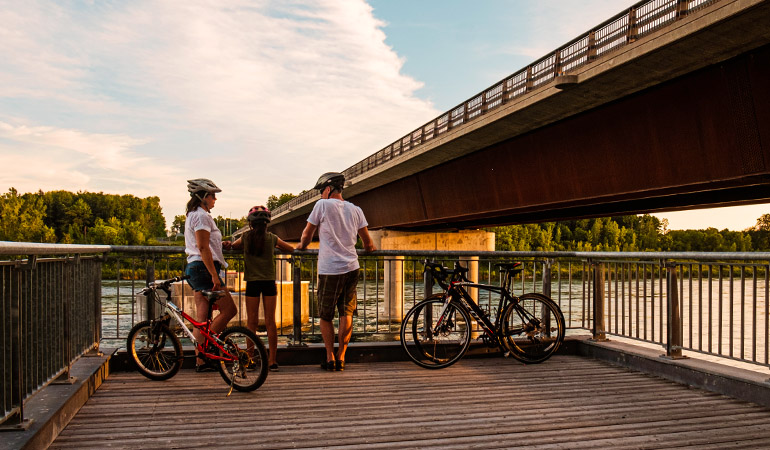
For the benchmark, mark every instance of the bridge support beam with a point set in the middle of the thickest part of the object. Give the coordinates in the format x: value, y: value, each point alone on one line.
x: 467, y: 240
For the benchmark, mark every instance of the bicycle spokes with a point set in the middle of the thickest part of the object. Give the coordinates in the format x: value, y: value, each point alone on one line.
x: 435, y: 333
x: 533, y: 328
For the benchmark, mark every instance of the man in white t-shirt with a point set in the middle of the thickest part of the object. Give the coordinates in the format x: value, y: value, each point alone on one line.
x: 339, y: 224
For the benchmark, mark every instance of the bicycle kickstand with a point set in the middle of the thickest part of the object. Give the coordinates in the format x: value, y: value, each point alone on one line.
x: 232, y: 383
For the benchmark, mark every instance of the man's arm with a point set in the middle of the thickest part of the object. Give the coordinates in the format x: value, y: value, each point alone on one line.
x: 367, y: 239
x: 307, y: 236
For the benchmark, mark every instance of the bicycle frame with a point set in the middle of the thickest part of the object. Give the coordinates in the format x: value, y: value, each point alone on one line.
x: 458, y: 292
x: 180, y: 316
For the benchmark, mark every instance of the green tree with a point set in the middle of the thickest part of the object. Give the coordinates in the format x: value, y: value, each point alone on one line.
x: 61, y: 216
x: 177, y: 226
x: 760, y: 234
x: 274, y: 202
x: 22, y: 218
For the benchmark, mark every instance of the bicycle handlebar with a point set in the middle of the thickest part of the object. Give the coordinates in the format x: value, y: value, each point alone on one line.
x: 163, y: 284
x: 441, y: 273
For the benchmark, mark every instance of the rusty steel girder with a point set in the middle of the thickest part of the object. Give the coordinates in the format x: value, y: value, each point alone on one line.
x: 702, y: 139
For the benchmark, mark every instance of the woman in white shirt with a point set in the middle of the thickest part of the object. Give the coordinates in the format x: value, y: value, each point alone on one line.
x: 205, y: 261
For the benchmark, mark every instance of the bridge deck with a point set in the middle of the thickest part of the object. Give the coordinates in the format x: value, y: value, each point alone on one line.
x: 567, y: 402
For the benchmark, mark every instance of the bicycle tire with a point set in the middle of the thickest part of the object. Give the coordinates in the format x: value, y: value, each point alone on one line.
x: 249, y: 371
x: 533, y: 328
x: 155, y: 350
x: 435, y: 351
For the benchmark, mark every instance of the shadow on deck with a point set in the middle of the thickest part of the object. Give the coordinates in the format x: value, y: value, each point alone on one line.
x: 570, y: 401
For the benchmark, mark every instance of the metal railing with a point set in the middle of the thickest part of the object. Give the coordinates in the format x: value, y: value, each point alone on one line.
x: 56, y: 309
x: 51, y: 315
x: 624, y: 28
x: 717, y: 305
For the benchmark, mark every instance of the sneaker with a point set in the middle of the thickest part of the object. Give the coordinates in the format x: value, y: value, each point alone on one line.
x: 273, y: 368
x: 327, y: 365
x: 339, y: 366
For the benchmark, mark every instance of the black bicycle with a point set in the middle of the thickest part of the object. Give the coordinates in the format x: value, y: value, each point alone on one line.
x: 437, y: 331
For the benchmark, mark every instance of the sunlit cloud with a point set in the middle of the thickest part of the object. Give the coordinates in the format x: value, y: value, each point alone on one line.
x: 111, y: 152
x: 259, y: 96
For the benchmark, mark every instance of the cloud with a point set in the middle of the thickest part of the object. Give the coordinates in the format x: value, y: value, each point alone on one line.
x: 103, y: 151
x: 550, y: 25
x: 259, y: 96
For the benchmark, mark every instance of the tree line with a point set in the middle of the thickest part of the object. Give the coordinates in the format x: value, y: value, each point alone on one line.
x: 98, y: 218
x: 629, y: 234
x: 80, y: 218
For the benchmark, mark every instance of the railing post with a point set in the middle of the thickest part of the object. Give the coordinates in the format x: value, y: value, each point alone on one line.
x: 296, y: 262
x: 15, y: 420
x: 682, y: 8
x: 598, y: 331
x: 632, y: 28
x: 150, y: 302
x: 547, y: 277
x: 504, y: 92
x: 427, y: 278
x: 674, y: 315
x: 70, y: 291
x: 591, y: 46
x: 529, y: 82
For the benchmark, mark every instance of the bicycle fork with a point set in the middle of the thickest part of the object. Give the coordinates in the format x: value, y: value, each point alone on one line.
x: 442, y: 318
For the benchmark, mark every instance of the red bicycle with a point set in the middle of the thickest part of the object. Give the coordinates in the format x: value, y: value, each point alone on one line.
x: 236, y: 352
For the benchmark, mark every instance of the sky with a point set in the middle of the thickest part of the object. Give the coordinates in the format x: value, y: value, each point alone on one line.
x: 261, y: 96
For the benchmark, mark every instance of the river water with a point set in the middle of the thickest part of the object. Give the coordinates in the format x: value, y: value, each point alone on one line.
x: 736, y: 325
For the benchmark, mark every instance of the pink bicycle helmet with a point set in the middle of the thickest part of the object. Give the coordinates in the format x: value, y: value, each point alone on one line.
x: 259, y: 214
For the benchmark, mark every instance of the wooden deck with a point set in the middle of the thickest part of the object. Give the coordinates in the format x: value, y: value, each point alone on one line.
x: 566, y: 402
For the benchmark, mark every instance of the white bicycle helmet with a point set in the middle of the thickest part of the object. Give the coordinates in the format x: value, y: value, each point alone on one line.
x: 201, y: 185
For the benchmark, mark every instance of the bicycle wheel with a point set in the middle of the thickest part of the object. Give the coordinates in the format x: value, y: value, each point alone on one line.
x: 155, y: 349
x: 533, y: 328
x: 248, y: 370
x: 433, y: 340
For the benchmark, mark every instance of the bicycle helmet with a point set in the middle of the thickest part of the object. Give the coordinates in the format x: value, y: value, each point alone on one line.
x: 259, y: 214
x: 202, y: 184
x: 334, y: 179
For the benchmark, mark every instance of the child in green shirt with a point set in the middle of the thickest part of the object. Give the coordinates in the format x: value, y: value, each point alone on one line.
x: 258, y: 255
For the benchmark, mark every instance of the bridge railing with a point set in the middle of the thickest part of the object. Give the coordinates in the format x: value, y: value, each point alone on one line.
x: 50, y: 307
x: 712, y: 303
x: 58, y: 307
x: 640, y: 20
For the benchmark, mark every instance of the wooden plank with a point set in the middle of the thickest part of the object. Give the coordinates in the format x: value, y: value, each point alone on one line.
x: 567, y: 401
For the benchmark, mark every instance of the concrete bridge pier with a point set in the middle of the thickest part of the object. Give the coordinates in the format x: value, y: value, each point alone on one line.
x: 468, y: 240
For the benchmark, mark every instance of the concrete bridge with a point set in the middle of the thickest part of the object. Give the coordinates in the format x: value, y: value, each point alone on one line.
x: 663, y: 107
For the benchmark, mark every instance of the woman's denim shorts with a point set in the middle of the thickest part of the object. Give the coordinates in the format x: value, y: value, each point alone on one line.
x: 200, y: 278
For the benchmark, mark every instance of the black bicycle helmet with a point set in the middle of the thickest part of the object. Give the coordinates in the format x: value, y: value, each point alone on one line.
x: 259, y: 214
x: 334, y: 179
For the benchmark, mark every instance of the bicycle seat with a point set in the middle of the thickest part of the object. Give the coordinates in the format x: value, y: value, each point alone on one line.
x: 213, y: 296
x: 514, y: 267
